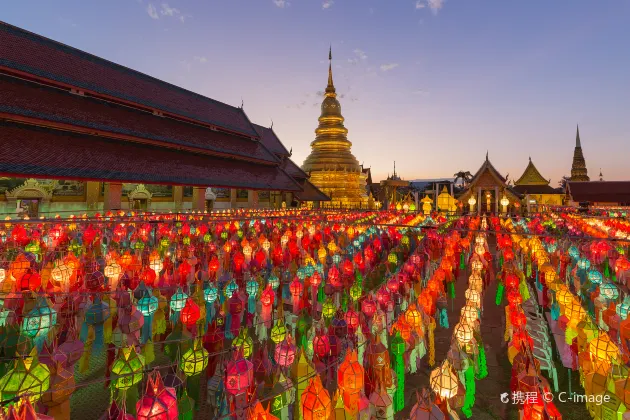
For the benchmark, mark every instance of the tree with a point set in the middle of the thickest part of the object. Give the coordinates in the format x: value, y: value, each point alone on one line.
x: 464, y: 176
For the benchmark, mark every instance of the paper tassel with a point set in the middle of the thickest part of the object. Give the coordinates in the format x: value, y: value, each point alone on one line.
x: 482, y: 364
x: 159, y: 322
x: 107, y: 330
x: 432, y: 342
x: 469, y: 400
x: 443, y: 318
x: 451, y: 289
x: 462, y: 261
x: 499, y: 297
x: 148, y: 352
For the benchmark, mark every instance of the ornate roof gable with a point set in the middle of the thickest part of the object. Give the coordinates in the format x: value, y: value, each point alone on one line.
x: 531, y: 176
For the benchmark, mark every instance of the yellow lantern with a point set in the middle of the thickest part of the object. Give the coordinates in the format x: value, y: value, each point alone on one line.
x: 464, y: 333
x: 473, y: 297
x: 443, y: 381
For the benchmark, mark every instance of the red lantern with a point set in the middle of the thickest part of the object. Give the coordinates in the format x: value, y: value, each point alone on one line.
x: 368, y: 307
x: 240, y: 375
x: 158, y: 402
x: 321, y: 345
x: 190, y: 313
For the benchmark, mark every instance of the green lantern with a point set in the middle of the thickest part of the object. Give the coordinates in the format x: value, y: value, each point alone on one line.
x: 207, y: 238
x: 28, y: 376
x: 279, y: 331
x: 328, y: 309
x: 243, y: 341
x: 127, y: 368
x: 356, y: 291
x: 186, y: 240
x: 195, y: 360
x: 138, y: 245
x: 164, y: 243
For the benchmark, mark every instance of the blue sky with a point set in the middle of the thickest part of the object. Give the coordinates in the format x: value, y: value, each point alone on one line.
x: 432, y: 84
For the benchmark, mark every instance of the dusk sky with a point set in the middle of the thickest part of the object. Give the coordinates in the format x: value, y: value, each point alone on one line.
x: 431, y: 84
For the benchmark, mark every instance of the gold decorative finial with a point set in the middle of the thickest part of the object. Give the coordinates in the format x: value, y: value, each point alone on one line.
x: 330, y: 89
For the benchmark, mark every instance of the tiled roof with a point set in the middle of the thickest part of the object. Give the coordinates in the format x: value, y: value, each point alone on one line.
x: 311, y: 193
x: 35, y: 56
x: 536, y: 189
x: 531, y: 176
x: 599, y: 191
x: 271, y: 141
x: 42, y: 152
x: 292, y: 169
x: 37, y: 103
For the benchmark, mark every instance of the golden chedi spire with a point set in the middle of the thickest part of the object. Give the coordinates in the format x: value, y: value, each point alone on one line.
x: 331, y: 165
x: 578, y: 168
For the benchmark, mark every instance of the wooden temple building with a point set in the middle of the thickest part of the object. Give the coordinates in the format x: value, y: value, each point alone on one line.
x: 80, y: 133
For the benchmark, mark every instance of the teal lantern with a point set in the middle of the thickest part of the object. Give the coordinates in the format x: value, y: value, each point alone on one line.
x: 273, y: 281
x: 574, y: 252
x: 309, y: 270
x: 210, y: 294
x: 584, y: 264
x: 230, y: 289
x: 178, y: 300
x: 336, y: 259
x: 609, y: 291
x: 595, y: 277
x: 39, y: 321
x: 148, y: 304
x: 301, y: 273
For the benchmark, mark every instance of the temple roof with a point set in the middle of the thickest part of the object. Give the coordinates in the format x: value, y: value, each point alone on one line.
x: 43, y: 105
x: 487, y: 166
x: 311, y: 193
x: 271, y: 141
x: 38, y: 58
x: 48, y: 153
x: 531, y: 176
x: 599, y: 191
x: 536, y: 189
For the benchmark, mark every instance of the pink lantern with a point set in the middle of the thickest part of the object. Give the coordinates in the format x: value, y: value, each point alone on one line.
x: 240, y: 375
x: 284, y: 354
x: 158, y: 402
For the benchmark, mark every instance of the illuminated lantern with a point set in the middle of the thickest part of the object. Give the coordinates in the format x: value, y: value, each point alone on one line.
x: 28, y: 377
x: 463, y: 333
x: 230, y: 289
x: 443, y: 381
x: 195, y: 359
x: 148, y: 305
x: 244, y: 343
x: 473, y: 297
x: 279, y: 331
x: 178, y: 300
x: 190, y: 313
x: 158, y: 402
x: 594, y: 277
x: 273, y: 281
x: 477, y: 266
x: 368, y: 307
x: 328, y: 309
x: 315, y: 401
x: 240, y: 375
x: 609, y: 291
x: 296, y: 288
x: 284, y: 354
x: 604, y: 349
x: 352, y: 319
x: 127, y: 368
x: 39, y: 321
x: 61, y: 273
x: 469, y: 314
x: 210, y: 294
x: 350, y: 375
x: 321, y: 345
x: 584, y: 264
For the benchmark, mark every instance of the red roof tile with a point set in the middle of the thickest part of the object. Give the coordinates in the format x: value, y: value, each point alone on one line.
x: 599, y: 191
x: 42, y: 152
x: 292, y: 169
x: 311, y: 193
x: 271, y: 141
x: 45, y: 59
x: 29, y: 100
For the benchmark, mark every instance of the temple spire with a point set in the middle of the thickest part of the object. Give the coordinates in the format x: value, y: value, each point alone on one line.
x: 578, y: 143
x: 330, y: 89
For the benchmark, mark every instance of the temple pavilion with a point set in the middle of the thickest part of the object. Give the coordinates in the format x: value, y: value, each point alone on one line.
x: 536, y: 191
x: 331, y: 166
x: 80, y: 133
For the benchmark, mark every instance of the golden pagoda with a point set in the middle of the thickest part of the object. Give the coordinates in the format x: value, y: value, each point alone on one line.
x: 331, y: 165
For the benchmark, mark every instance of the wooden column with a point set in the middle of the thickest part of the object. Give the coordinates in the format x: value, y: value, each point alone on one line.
x: 252, y: 199
x: 478, y: 200
x: 496, y: 200
x: 233, y: 198
x: 199, y: 198
x: 113, y: 196
x: 92, y: 190
x: 178, y: 197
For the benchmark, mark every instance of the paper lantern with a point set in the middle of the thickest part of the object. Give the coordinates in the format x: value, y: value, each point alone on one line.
x: 473, y: 297
x: 148, y: 305
x: 315, y: 401
x: 178, y: 300
x: 190, y: 313
x: 604, y: 350
x: 210, y: 294
x: 244, y: 343
x: 469, y: 314
x: 39, y: 321
x: 464, y: 333
x: 321, y: 345
x: 195, y: 359
x: 284, y: 354
x: 279, y: 331
x: 443, y: 381
x: 127, y: 368
x: 28, y: 377
x: 240, y: 375
x: 158, y: 402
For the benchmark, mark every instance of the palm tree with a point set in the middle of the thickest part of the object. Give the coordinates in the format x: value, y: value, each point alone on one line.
x: 464, y: 176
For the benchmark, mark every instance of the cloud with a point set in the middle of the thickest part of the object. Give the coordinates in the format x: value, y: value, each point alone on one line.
x: 327, y: 4
x: 420, y: 4
x: 169, y: 11
x: 152, y: 11
x: 359, y: 55
x: 388, y: 67
x: 435, y: 5
x: 200, y: 59
x: 281, y: 3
